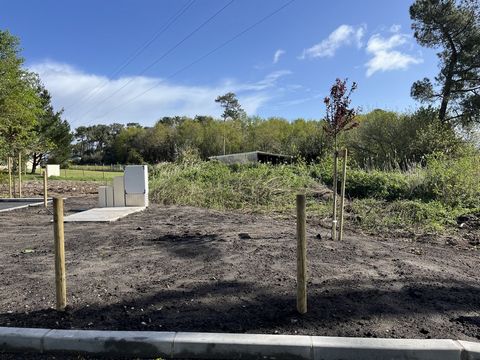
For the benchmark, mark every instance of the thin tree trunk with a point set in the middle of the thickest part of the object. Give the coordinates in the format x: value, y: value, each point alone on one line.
x: 447, y: 87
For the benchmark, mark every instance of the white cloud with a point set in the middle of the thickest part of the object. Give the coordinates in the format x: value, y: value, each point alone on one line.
x: 277, y: 55
x: 342, y: 36
x: 395, y: 28
x: 384, y: 55
x: 73, y: 89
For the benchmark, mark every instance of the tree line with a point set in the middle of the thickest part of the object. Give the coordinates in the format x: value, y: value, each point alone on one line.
x: 382, y: 139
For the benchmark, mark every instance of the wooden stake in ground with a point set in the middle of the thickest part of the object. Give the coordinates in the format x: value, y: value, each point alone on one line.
x: 60, y: 277
x: 301, y: 255
x: 45, y: 187
x: 342, y: 196
x: 19, y: 174
x: 10, y: 183
x: 334, y: 214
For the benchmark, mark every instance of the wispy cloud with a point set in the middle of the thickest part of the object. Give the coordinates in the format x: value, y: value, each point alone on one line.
x: 344, y: 35
x: 384, y: 55
x: 276, y: 56
x: 69, y: 85
x: 395, y: 28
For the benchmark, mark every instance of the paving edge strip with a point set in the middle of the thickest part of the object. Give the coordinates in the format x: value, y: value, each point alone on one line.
x: 193, y: 345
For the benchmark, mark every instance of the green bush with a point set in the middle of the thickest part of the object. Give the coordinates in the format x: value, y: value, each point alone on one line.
x: 406, y: 215
x: 453, y: 181
x: 388, y: 185
x: 377, y: 184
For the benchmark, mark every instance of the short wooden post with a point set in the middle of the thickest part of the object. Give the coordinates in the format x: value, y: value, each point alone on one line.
x: 342, y: 197
x: 301, y: 255
x: 19, y: 174
x: 334, y: 214
x: 60, y: 277
x: 10, y: 182
x: 45, y: 187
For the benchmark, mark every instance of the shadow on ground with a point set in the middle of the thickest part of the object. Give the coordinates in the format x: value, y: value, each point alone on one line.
x: 332, y: 311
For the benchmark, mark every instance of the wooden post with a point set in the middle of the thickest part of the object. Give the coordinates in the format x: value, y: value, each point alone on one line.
x: 301, y: 255
x: 19, y: 174
x: 45, y: 187
x: 10, y: 183
x: 334, y: 214
x: 342, y: 196
x: 60, y: 278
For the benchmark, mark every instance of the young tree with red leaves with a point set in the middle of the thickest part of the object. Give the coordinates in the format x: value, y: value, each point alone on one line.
x: 339, y: 118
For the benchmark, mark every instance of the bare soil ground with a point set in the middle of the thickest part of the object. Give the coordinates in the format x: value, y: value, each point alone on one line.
x: 188, y: 269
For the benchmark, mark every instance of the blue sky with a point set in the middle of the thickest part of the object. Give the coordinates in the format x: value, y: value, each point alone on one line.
x: 282, y: 67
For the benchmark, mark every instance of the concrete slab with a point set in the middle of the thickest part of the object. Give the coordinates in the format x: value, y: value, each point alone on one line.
x: 106, y: 214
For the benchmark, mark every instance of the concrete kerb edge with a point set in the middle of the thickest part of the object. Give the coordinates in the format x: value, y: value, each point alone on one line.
x: 230, y: 346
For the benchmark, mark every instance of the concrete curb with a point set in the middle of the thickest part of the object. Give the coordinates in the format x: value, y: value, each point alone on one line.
x: 37, y: 203
x: 230, y: 346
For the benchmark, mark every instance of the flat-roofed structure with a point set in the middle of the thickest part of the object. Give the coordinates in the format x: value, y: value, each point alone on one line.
x: 253, y: 157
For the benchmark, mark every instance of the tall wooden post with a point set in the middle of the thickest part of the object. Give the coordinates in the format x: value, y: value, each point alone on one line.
x: 334, y: 214
x: 45, y: 188
x: 301, y: 255
x: 60, y: 277
x: 10, y: 183
x: 19, y: 174
x: 342, y: 198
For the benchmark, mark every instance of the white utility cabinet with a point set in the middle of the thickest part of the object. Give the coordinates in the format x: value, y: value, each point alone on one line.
x: 53, y: 170
x: 136, y: 185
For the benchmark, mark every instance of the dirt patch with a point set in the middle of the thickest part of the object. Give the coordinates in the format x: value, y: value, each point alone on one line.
x: 32, y: 188
x: 188, y: 269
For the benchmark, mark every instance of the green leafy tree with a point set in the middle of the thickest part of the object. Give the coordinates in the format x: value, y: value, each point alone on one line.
x: 20, y: 104
x: 453, y: 27
x: 231, y: 109
x: 53, y: 138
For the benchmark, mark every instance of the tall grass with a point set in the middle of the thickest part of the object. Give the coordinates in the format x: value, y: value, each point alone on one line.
x: 218, y: 186
x: 428, y: 198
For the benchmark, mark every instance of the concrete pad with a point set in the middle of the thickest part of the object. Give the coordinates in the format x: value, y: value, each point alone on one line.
x: 241, y: 346
x: 21, y: 340
x: 472, y: 350
x: 330, y: 348
x: 113, y: 343
x: 106, y: 214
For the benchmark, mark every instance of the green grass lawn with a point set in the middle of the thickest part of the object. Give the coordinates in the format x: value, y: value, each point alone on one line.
x: 69, y: 174
x: 86, y: 175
